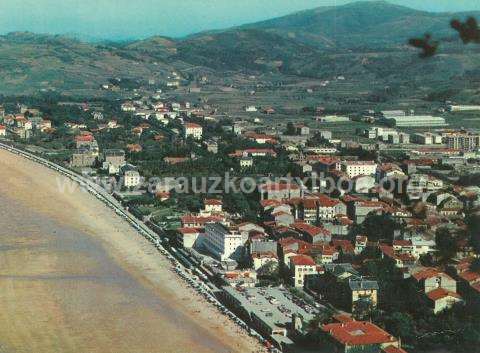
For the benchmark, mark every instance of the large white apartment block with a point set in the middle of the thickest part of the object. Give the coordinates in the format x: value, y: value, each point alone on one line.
x: 356, y: 168
x: 462, y: 141
x: 222, y: 242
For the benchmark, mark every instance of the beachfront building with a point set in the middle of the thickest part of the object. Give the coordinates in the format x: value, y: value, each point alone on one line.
x: 271, y: 311
x: 360, y: 336
x: 222, y: 242
x: 113, y: 160
x: 131, y: 178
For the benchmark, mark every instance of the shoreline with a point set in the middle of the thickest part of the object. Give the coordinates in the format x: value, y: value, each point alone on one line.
x: 132, y: 253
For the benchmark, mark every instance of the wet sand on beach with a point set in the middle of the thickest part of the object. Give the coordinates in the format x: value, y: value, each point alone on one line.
x: 74, y: 277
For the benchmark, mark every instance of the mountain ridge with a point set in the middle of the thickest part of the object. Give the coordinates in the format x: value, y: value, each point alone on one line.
x: 357, y: 39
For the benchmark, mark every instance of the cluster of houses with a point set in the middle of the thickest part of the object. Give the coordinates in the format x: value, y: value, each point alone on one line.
x: 308, y: 229
x: 25, y: 123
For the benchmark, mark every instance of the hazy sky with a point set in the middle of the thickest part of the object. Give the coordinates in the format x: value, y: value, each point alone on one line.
x: 120, y: 19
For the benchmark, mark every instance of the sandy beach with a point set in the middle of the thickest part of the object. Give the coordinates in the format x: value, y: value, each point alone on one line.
x: 74, y: 277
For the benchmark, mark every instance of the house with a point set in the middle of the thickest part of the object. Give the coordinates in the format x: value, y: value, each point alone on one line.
x: 113, y: 160
x: 364, y: 293
x: 3, y: 130
x: 212, y: 206
x: 127, y: 107
x: 313, y: 234
x: 261, y: 138
x: 359, y: 209
x: 324, y: 253
x: 131, y: 177
x: 302, y: 265
x: 212, y: 146
x: 193, y: 130
x: 260, y: 259
x: 400, y: 260
x: 134, y: 148
x: 442, y: 299
x: 82, y: 158
x: 439, y: 288
x: 291, y: 246
x: 362, y: 184
x: 283, y: 218
x: 360, y: 244
x: 279, y: 191
x: 450, y: 207
x: 246, y: 162
x: 358, y: 336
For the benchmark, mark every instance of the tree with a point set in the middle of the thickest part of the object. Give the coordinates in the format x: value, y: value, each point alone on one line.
x: 473, y: 231
x: 290, y: 129
x: 446, y: 244
x: 475, y: 265
x: 378, y: 227
x: 401, y: 325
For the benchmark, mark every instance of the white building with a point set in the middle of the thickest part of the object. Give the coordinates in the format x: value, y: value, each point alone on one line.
x: 415, y: 121
x: 128, y: 107
x: 462, y: 108
x: 426, y: 138
x: 462, y: 141
x: 212, y: 206
x: 193, y: 130
x: 222, y: 242
x: 131, y: 178
x: 302, y: 265
x: 355, y: 168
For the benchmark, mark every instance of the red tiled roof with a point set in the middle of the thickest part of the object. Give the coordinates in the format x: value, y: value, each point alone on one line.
x: 441, y: 293
x: 426, y: 273
x: 187, y: 230
x: 189, y: 219
x: 267, y: 203
x: 213, y: 202
x: 192, y: 126
x: 302, y: 260
x: 402, y: 243
x: 84, y: 138
x: 345, y: 245
x: 309, y: 229
x: 356, y: 333
x: 470, y: 276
